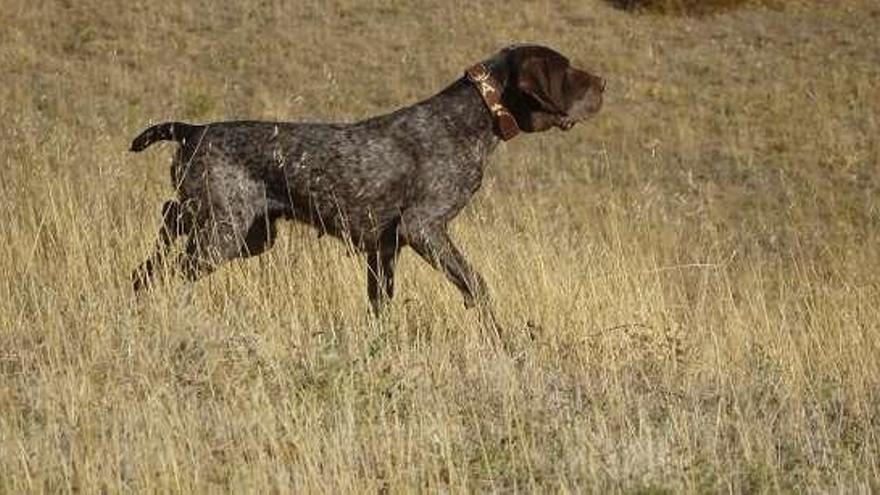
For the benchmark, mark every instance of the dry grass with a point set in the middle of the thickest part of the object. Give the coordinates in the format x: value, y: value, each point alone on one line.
x: 690, y: 285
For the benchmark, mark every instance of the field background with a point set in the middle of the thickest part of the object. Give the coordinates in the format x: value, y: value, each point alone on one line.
x: 689, y: 282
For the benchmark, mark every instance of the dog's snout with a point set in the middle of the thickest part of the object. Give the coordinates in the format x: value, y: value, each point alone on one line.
x: 602, y: 82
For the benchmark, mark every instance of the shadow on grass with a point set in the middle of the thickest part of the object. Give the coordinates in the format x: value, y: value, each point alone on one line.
x: 689, y: 7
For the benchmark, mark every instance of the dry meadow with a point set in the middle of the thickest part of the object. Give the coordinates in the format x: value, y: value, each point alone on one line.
x: 689, y: 282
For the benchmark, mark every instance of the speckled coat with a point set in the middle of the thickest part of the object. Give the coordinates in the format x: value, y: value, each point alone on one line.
x: 383, y: 183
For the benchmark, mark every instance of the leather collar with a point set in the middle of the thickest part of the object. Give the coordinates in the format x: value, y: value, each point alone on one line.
x: 490, y: 90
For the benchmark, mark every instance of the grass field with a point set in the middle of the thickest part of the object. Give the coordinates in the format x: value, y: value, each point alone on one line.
x: 689, y: 282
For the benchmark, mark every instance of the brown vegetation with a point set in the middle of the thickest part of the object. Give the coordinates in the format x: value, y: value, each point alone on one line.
x: 692, y: 298
x: 691, y: 7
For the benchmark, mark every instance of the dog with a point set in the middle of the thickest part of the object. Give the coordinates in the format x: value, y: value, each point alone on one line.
x: 383, y: 183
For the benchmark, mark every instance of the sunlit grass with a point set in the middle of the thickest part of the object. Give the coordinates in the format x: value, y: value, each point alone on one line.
x: 687, y: 282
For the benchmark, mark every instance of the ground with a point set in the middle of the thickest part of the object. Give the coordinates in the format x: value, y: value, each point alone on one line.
x: 688, y: 282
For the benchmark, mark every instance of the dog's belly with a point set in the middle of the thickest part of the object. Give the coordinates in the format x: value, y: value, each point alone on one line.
x: 334, y: 210
x: 363, y: 226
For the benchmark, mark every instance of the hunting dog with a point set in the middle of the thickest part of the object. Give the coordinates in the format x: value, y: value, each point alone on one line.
x: 382, y: 183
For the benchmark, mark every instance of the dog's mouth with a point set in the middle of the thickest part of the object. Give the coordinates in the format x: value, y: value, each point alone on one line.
x: 582, y: 110
x: 575, y: 116
x: 566, y: 124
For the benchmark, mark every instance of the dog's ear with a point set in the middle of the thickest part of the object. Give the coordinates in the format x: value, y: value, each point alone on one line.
x: 544, y: 79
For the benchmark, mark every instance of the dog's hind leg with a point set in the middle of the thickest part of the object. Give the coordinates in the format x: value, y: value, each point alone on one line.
x: 176, y: 221
x: 260, y: 236
x: 222, y: 234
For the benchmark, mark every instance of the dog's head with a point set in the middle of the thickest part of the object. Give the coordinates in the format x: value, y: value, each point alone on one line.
x: 542, y: 90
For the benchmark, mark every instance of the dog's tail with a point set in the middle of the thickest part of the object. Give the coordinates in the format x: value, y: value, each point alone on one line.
x: 168, y: 131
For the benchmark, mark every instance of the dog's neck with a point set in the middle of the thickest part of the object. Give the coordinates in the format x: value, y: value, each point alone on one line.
x: 461, y: 106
